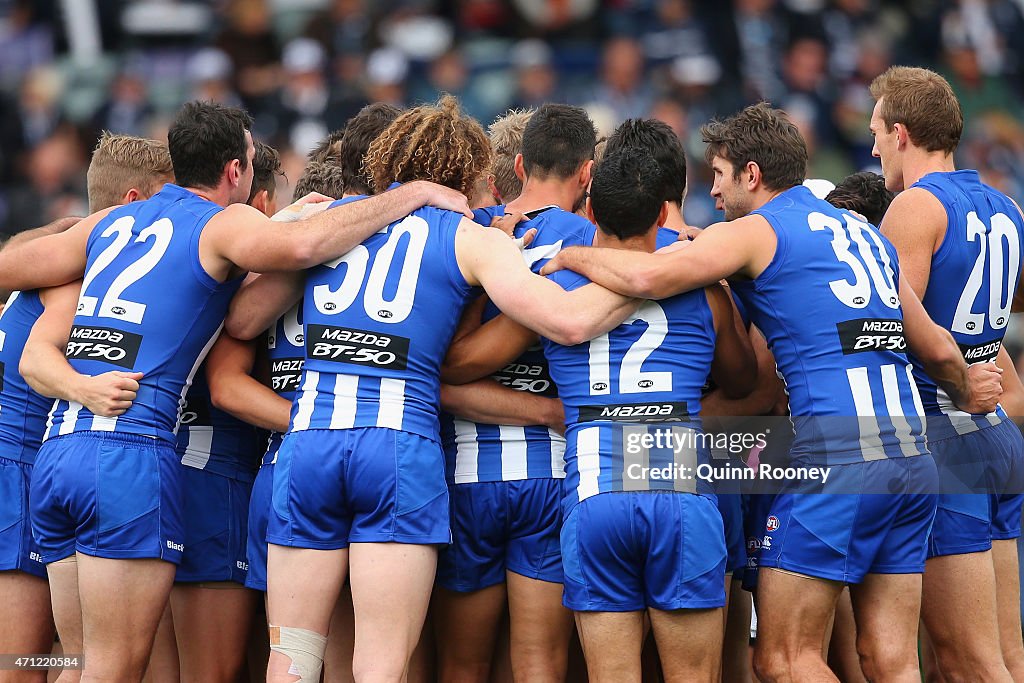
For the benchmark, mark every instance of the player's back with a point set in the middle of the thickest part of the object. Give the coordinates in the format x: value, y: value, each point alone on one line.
x: 286, y: 354
x: 377, y: 324
x: 476, y: 452
x: 640, y: 381
x: 828, y: 304
x: 147, y: 305
x: 22, y: 410
x: 973, y: 279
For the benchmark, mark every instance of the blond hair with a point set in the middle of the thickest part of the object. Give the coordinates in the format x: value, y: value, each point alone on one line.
x: 431, y: 142
x: 122, y: 162
x: 506, y: 135
x: 924, y: 102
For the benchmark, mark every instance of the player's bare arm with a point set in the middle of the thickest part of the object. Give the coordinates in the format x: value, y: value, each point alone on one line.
x: 975, y: 389
x: 742, y: 247
x: 50, y: 260
x: 242, y: 236
x: 261, y: 300
x: 734, y: 367
x: 915, y: 223
x: 45, y: 368
x: 234, y: 390
x: 53, y: 228
x: 488, y: 258
x: 768, y: 393
x: 486, y: 349
x: 486, y: 401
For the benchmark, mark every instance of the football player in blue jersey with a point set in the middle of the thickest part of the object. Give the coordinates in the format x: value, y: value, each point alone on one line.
x: 959, y: 242
x: 824, y: 288
x: 124, y: 520
x: 504, y: 450
x: 376, y: 506
x: 122, y: 169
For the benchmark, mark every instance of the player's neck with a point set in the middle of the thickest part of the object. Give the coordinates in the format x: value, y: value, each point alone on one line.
x: 218, y: 195
x: 537, y: 194
x: 674, y: 220
x: 646, y: 242
x: 918, y: 163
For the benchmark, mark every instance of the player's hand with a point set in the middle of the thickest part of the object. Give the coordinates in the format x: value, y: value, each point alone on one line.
x: 111, y: 393
x: 555, y: 264
x: 689, y: 233
x: 442, y: 197
x: 507, y: 223
x: 985, y: 388
x: 312, y: 198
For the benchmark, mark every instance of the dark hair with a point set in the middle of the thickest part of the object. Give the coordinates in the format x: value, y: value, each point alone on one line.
x: 266, y: 166
x: 203, y: 138
x: 557, y: 141
x: 864, y: 193
x: 328, y: 150
x: 625, y: 193
x: 360, y: 131
x: 320, y: 176
x: 763, y: 135
x: 658, y: 138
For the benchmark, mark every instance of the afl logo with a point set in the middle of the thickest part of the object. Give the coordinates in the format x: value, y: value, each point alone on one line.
x: 117, y: 310
x: 81, y: 307
x: 893, y: 300
x: 385, y: 314
x: 599, y: 386
x: 1000, y: 320
x: 970, y: 326
x: 645, y: 384
x: 773, y: 523
x: 330, y: 306
x: 300, y: 338
x: 859, y: 300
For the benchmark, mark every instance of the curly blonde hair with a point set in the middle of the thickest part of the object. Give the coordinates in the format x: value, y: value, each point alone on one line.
x: 431, y: 142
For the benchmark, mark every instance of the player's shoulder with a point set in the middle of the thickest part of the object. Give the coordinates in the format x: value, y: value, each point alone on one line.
x: 918, y: 206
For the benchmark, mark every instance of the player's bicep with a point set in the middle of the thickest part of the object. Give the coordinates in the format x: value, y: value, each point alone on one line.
x: 54, y: 324
x: 734, y: 367
x: 486, y: 349
x: 261, y: 300
x: 47, y: 261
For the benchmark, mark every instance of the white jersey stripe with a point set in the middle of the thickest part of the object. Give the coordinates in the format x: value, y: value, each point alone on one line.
x: 392, y: 403
x: 103, y: 424
x: 867, y: 423
x: 70, y: 418
x: 894, y: 406
x: 197, y: 451
x: 513, y: 452
x: 343, y: 415
x: 588, y: 460
x: 305, y: 401
x: 557, y: 454
x: 49, y: 419
x: 467, y: 452
x: 192, y: 373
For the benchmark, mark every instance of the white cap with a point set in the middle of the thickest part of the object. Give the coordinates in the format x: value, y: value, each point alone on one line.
x: 303, y: 55
x: 819, y: 186
x: 386, y: 66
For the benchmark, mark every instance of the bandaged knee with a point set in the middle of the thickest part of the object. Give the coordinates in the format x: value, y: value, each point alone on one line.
x: 305, y: 650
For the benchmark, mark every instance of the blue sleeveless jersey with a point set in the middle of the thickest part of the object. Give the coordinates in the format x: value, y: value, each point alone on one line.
x: 476, y: 452
x: 973, y: 279
x: 148, y: 306
x: 212, y: 440
x: 485, y: 215
x: 286, y: 352
x: 640, y: 381
x: 828, y: 305
x: 22, y: 410
x: 377, y: 324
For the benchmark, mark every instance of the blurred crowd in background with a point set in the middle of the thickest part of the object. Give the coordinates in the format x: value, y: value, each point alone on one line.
x: 71, y: 68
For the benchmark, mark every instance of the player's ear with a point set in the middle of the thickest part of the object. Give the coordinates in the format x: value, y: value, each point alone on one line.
x: 590, y: 210
x: 520, y: 168
x: 902, y: 135
x: 753, y: 175
x: 586, y: 173
x: 493, y: 189
x: 234, y: 171
x: 131, y: 196
x: 260, y: 201
x: 663, y: 214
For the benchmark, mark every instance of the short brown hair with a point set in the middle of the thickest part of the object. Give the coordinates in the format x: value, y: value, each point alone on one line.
x: 924, y: 102
x: 122, y: 162
x: 763, y: 135
x: 320, y: 176
x: 506, y: 135
x: 266, y: 167
x: 360, y: 132
x: 431, y: 142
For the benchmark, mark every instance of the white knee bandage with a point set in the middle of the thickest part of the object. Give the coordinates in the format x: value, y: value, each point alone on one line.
x: 304, y: 648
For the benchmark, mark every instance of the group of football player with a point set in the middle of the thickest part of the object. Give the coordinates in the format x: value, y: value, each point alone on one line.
x: 453, y: 412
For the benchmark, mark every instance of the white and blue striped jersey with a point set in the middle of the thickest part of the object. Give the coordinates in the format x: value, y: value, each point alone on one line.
x: 974, y: 276
x: 632, y: 398
x: 212, y: 440
x: 377, y: 324
x: 477, y: 452
x: 828, y: 305
x: 285, y: 351
x: 147, y: 305
x: 22, y: 410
